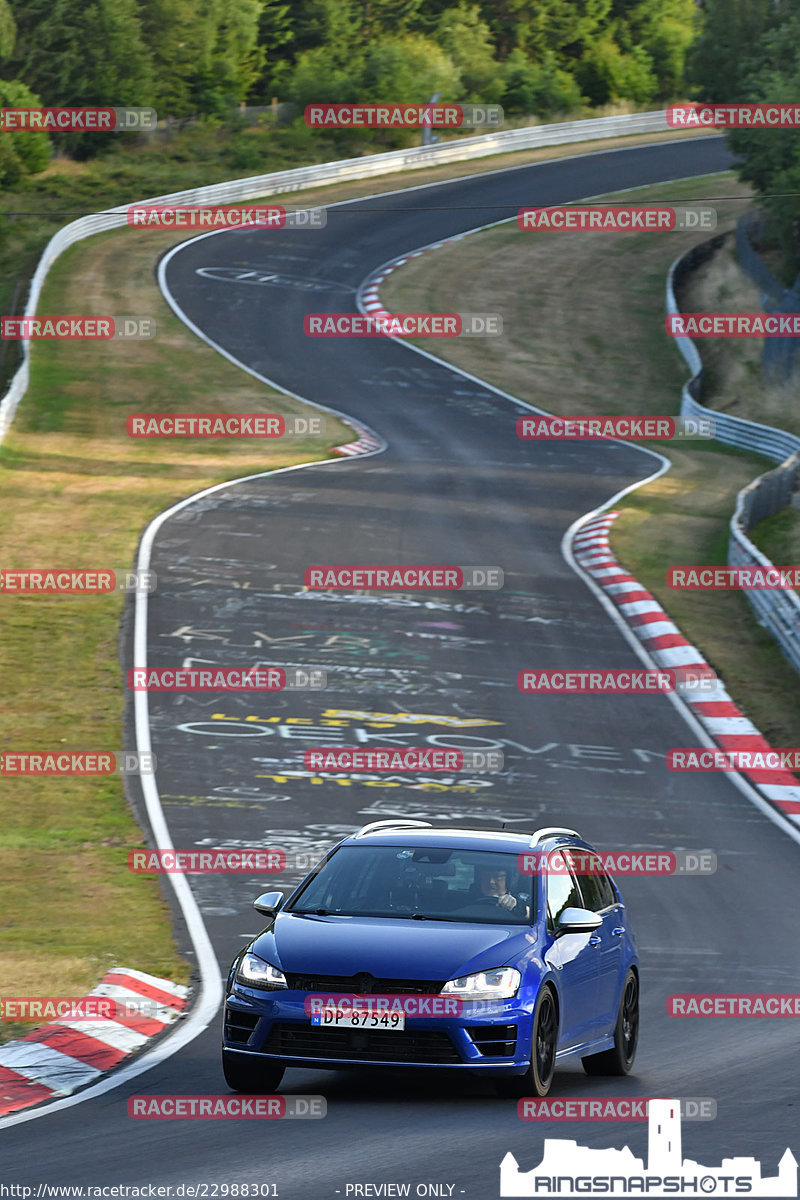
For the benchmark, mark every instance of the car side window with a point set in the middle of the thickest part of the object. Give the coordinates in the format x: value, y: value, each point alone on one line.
x: 609, y: 895
x: 562, y: 892
x: 597, y: 891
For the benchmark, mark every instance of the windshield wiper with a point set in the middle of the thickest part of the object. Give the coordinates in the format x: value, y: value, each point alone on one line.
x: 424, y: 917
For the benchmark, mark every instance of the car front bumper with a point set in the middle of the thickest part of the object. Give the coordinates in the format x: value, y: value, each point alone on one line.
x: 488, y: 1037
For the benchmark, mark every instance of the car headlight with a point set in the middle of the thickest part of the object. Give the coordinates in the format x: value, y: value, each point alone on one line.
x: 256, y: 972
x: 501, y: 984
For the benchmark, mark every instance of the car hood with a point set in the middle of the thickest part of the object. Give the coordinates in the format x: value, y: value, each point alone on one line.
x: 389, y: 949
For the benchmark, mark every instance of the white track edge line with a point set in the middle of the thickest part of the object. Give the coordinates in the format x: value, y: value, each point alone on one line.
x: 211, y: 982
x: 203, y: 1012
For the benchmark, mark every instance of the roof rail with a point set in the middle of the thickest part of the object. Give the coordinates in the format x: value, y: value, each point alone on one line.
x: 374, y: 826
x: 551, y: 831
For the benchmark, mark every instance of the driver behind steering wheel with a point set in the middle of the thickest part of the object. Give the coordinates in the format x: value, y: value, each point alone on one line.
x: 492, y: 882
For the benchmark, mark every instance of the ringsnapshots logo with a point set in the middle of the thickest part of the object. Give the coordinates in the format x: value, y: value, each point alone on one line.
x: 570, y: 1170
x: 216, y: 425
x: 34, y: 581
x: 77, y: 329
x: 226, y: 679
x: 617, y: 218
x: 226, y: 1108
x: 403, y: 116
x: 224, y: 216
x: 401, y: 325
x: 402, y: 579
x: 78, y: 120
x: 733, y: 325
x: 76, y: 762
x: 623, y: 428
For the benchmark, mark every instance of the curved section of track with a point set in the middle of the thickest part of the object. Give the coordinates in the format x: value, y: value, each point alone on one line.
x: 453, y: 486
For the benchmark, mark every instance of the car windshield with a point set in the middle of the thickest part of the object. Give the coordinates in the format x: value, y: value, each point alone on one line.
x: 426, y: 883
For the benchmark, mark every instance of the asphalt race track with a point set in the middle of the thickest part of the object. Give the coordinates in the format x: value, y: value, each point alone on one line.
x: 454, y: 486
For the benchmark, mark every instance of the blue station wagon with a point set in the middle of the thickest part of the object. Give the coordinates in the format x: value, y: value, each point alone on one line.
x: 420, y: 947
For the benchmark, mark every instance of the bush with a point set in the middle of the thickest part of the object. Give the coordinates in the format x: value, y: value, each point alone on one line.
x: 405, y: 69
x: 538, y: 87
x: 22, y: 152
x: 606, y: 74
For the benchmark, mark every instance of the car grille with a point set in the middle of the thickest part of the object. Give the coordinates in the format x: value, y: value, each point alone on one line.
x: 305, y: 1041
x: 494, y: 1041
x: 239, y: 1025
x: 347, y: 984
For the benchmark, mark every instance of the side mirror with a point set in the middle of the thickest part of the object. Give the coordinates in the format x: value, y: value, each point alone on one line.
x: 578, y: 920
x: 268, y: 903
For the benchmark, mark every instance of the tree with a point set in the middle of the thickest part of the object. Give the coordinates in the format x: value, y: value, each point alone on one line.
x: 8, y: 30
x: 566, y: 27
x: 376, y: 17
x: 563, y: 27
x: 770, y: 159
x: 22, y: 152
x: 276, y: 39
x: 540, y: 87
x: 664, y: 29
x: 408, y: 69
x: 72, y: 53
x: 606, y: 74
x: 749, y: 51
x: 467, y: 40
x: 723, y: 55
x: 205, y: 53
x: 233, y: 58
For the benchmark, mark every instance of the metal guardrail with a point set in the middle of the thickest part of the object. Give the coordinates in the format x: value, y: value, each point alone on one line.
x: 778, y: 611
x: 322, y: 175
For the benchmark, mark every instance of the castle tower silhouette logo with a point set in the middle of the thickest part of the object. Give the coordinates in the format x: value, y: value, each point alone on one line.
x: 568, y: 1169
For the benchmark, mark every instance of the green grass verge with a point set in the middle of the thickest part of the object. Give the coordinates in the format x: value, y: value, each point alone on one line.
x: 75, y: 491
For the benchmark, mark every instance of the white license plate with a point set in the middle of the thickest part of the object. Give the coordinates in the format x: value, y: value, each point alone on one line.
x: 348, y: 1018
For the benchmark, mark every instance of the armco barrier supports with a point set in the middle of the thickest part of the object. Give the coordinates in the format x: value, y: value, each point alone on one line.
x: 779, y: 352
x: 323, y: 175
x: 778, y: 611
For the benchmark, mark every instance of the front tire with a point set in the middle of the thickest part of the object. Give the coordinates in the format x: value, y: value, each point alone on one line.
x: 253, y: 1076
x: 537, y: 1079
x: 619, y: 1059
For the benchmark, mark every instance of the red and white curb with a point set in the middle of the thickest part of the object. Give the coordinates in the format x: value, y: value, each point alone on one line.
x: 718, y: 714
x: 364, y: 444
x: 667, y: 646
x: 65, y: 1055
x: 371, y: 304
x: 370, y: 297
